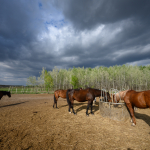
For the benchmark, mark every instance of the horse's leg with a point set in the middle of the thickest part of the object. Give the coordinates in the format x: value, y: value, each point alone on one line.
x: 56, y: 105
x: 131, y: 109
x: 91, y: 108
x: 55, y: 100
x: 87, y: 108
x: 69, y: 108
x: 72, y: 107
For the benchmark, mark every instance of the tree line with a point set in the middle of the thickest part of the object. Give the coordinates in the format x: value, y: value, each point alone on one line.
x: 117, y: 77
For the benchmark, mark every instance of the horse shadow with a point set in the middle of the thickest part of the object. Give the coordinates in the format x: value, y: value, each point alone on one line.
x: 84, y: 107
x: 13, y: 104
x: 75, y: 104
x: 144, y: 117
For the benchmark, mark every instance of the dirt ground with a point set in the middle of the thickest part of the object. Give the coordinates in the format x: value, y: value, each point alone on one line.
x: 30, y: 122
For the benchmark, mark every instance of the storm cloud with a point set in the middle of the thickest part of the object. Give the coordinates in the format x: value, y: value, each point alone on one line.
x: 36, y: 34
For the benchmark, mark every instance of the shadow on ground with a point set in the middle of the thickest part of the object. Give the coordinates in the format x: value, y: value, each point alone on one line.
x: 13, y: 104
x: 144, y: 117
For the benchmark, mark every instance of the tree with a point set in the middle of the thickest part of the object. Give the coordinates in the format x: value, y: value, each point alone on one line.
x: 48, y: 80
x: 31, y: 81
x: 74, y: 82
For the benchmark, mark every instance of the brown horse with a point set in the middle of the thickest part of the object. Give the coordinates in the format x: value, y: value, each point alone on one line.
x: 60, y: 93
x: 136, y: 99
x: 119, y: 96
x: 80, y: 96
x: 2, y: 93
x: 102, y: 93
x: 98, y: 93
x: 57, y: 94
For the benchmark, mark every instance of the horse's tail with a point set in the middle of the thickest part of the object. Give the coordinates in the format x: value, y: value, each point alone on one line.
x: 67, y: 97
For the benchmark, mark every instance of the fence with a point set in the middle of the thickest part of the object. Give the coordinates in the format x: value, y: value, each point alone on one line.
x: 26, y: 90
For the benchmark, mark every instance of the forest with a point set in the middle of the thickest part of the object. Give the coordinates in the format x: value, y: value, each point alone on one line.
x: 119, y: 77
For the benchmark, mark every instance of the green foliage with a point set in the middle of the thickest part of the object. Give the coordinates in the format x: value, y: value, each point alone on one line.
x: 31, y: 81
x: 74, y: 82
x: 125, y: 76
x: 48, y: 80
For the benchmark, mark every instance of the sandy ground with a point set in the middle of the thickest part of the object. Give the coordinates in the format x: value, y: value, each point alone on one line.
x: 30, y: 122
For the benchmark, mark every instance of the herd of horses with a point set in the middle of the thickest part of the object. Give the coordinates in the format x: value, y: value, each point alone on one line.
x: 131, y: 98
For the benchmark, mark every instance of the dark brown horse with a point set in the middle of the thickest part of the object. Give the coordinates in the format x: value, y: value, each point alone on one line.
x: 60, y: 93
x: 98, y: 93
x: 80, y: 96
x: 2, y: 93
x: 57, y: 94
x: 136, y: 99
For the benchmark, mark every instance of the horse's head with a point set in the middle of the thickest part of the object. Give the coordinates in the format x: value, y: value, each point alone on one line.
x: 80, y: 88
x: 9, y: 94
x: 107, y: 97
x: 115, y: 98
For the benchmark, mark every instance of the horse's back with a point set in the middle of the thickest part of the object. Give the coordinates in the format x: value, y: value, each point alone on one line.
x: 60, y: 93
x: 83, y: 95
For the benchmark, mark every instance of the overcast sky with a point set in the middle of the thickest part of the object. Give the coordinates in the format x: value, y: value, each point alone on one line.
x: 67, y: 33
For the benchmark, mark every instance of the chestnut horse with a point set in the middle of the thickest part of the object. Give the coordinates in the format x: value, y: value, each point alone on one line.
x: 57, y: 94
x: 2, y: 93
x: 119, y: 96
x: 137, y: 99
x: 80, y: 96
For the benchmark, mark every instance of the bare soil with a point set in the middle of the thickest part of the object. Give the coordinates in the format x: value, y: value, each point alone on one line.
x: 30, y: 122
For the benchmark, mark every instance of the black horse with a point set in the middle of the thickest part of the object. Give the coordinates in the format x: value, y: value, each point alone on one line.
x: 4, y: 93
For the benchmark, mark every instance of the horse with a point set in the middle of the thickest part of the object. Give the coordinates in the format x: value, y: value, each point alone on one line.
x: 98, y: 93
x: 136, y: 99
x: 119, y: 96
x: 59, y: 93
x: 80, y: 96
x: 2, y: 93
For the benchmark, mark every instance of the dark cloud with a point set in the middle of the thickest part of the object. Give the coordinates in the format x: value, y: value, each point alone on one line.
x: 89, y: 33
x: 87, y: 14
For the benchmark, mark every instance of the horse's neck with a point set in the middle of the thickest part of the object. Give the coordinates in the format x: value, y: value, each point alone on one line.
x: 124, y: 93
x: 5, y: 93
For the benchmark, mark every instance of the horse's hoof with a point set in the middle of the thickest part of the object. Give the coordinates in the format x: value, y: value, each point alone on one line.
x: 75, y: 114
x: 87, y: 114
x: 69, y: 112
x: 57, y: 108
x: 133, y: 124
x: 92, y: 113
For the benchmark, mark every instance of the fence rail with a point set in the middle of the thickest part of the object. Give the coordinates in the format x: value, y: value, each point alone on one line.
x: 27, y: 90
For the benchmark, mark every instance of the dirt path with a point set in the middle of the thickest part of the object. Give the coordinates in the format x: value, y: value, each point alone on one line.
x: 30, y: 122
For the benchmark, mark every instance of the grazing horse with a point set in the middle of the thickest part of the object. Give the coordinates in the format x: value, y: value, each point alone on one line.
x: 98, y: 93
x: 60, y: 93
x: 80, y: 96
x: 57, y: 94
x: 2, y: 93
x: 136, y: 99
x: 119, y: 96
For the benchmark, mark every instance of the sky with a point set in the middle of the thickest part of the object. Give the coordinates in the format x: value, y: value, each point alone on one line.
x: 66, y: 33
